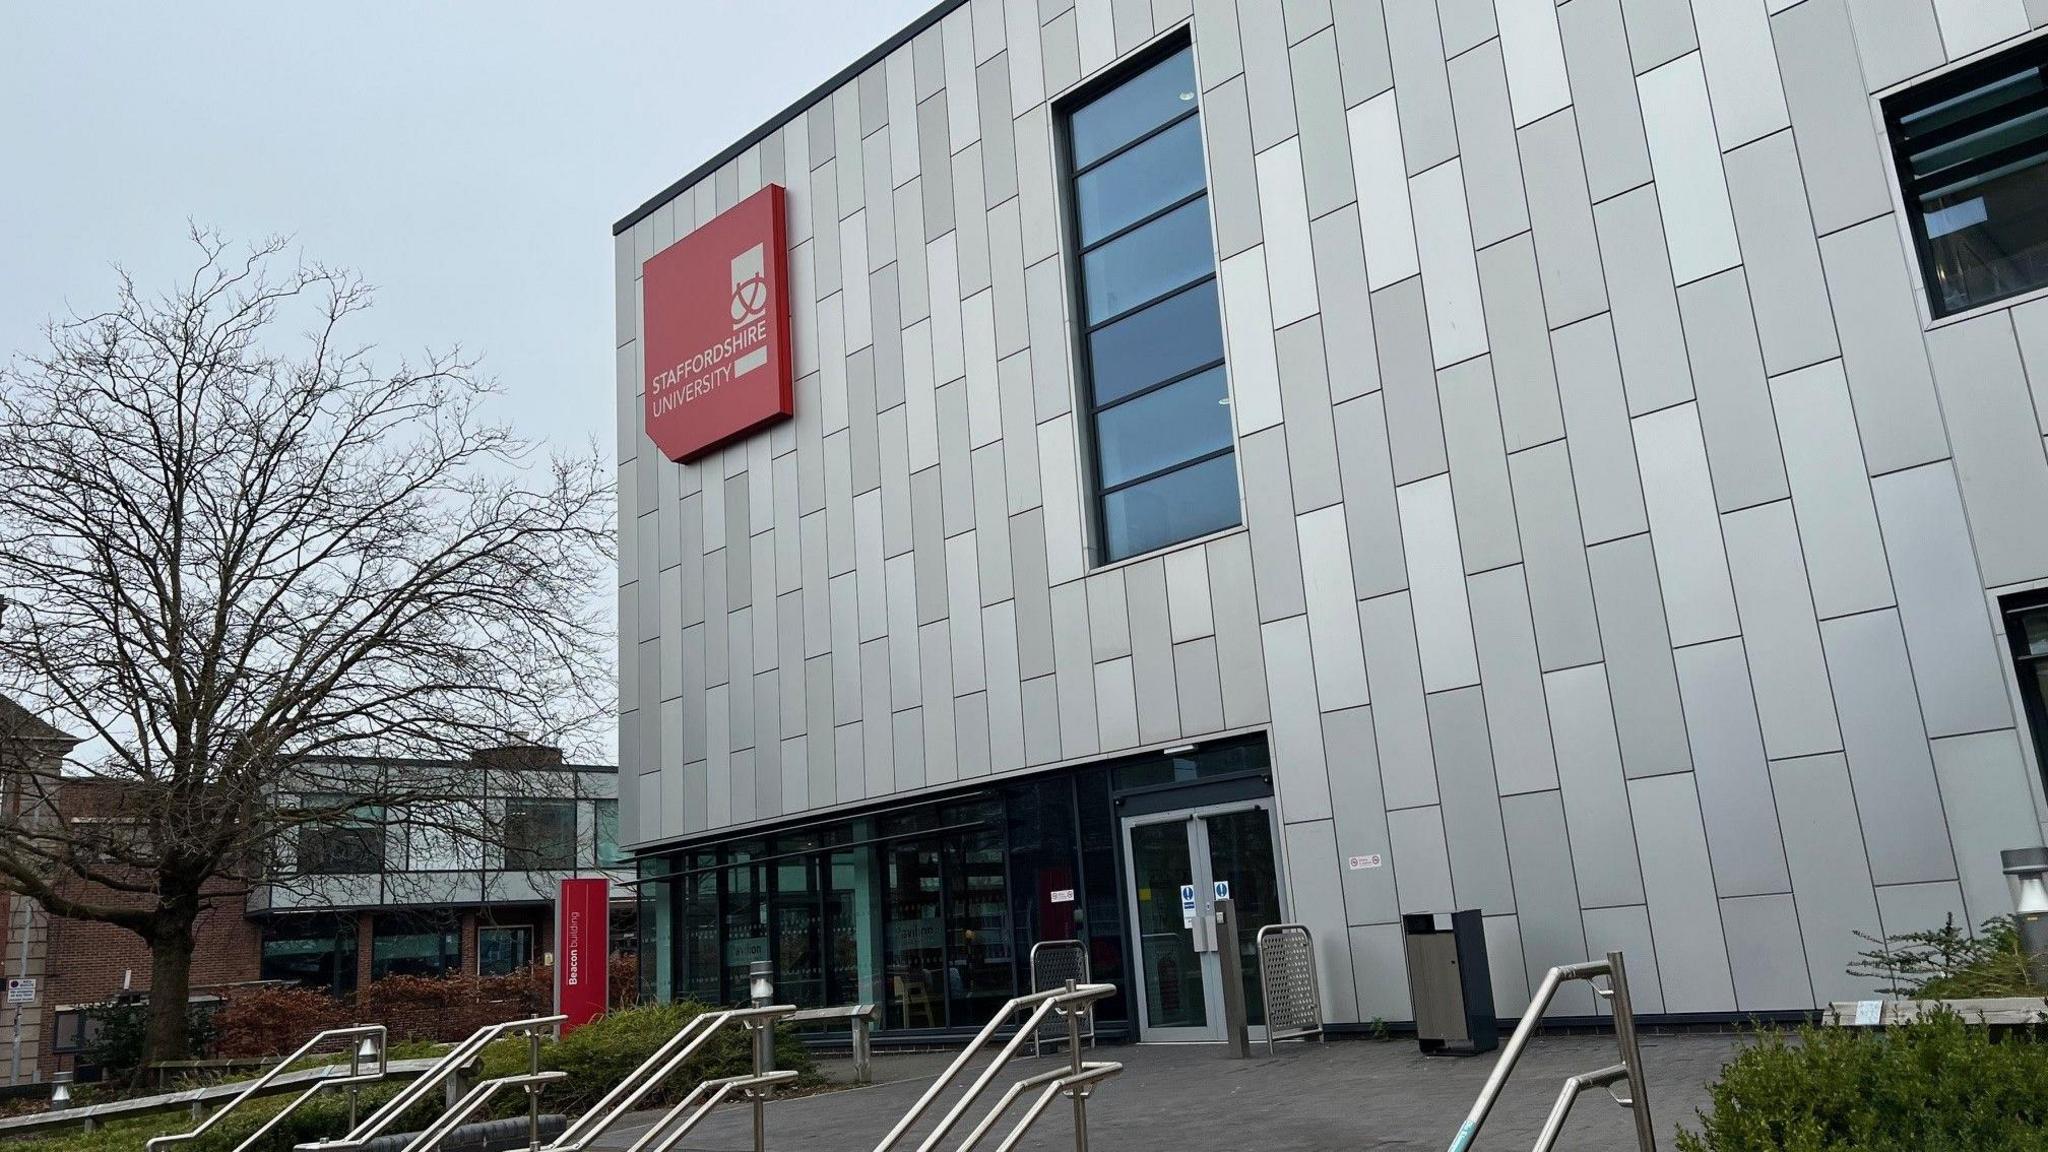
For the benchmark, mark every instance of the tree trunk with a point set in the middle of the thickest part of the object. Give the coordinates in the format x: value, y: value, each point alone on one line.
x: 170, y: 990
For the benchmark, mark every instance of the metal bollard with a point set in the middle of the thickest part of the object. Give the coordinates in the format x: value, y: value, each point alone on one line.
x: 761, y: 985
x: 533, y: 1091
x: 1236, y: 1037
x: 863, y: 1055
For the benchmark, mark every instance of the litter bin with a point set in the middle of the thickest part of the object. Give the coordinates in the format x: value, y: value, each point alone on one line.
x: 1449, y: 983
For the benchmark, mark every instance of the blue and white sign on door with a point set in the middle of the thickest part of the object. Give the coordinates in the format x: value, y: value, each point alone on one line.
x: 1187, y: 905
x: 1223, y: 889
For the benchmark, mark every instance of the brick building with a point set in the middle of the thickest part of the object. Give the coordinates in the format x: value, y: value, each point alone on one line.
x: 353, y: 904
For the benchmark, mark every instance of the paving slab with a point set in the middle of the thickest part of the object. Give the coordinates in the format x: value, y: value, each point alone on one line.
x: 1345, y: 1095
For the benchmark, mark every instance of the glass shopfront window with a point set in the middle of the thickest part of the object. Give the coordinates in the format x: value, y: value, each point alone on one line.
x: 316, y: 951
x: 406, y: 944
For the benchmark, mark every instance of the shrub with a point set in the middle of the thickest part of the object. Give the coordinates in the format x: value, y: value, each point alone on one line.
x: 1938, y: 1084
x: 273, y: 1021
x: 1949, y: 963
x: 121, y: 1030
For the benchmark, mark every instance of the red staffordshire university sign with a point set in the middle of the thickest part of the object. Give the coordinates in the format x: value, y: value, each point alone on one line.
x: 582, y: 947
x: 717, y: 323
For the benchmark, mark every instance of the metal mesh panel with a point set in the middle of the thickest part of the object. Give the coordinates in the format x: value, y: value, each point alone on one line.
x: 1053, y: 963
x: 1287, y: 973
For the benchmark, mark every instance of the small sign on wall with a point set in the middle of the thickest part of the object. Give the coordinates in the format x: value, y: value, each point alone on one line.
x: 1361, y: 863
x: 21, y: 990
x: 1062, y: 896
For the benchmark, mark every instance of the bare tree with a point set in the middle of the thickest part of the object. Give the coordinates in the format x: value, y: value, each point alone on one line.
x: 232, y: 549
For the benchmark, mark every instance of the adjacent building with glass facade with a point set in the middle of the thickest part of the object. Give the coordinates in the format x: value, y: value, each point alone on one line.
x: 1577, y: 462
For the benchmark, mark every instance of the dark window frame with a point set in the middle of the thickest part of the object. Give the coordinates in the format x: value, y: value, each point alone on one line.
x: 2011, y: 609
x: 1088, y: 411
x: 535, y: 856
x: 1919, y: 98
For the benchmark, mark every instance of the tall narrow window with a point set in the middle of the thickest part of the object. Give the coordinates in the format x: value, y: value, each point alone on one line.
x: 2026, y: 633
x: 1155, y: 390
x: 1972, y: 154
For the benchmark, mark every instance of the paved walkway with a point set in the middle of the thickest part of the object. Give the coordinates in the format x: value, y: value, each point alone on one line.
x: 1346, y: 1096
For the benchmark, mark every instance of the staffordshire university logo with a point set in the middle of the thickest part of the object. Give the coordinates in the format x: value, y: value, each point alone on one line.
x: 749, y: 301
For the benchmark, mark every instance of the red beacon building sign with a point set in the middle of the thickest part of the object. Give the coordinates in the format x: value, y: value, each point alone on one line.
x: 717, y: 328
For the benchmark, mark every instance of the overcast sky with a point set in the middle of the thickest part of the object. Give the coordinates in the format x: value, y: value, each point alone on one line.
x: 467, y: 158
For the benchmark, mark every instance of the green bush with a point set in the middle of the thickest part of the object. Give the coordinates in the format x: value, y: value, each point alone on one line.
x: 1939, y: 1085
x: 1949, y: 963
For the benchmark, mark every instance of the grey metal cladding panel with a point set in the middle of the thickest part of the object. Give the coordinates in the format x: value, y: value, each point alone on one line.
x: 714, y: 619
x: 1831, y: 114
x: 825, y: 238
x: 1627, y: 930
x: 1240, y: 655
x: 845, y: 592
x: 1734, y: 401
x: 1997, y: 441
x: 789, y: 636
x: 1604, y: 96
x: 954, y: 460
x: 1479, y: 466
x: 1956, y: 659
x: 821, y: 749
x: 1041, y: 720
x: 1233, y: 177
x: 1393, y: 667
x: 873, y: 90
x: 1882, y: 351
x: 1217, y: 51
x: 877, y: 731
x: 863, y: 448
x: 1372, y: 521
x: 1300, y: 777
x: 1421, y: 859
x: 928, y: 536
x: 1006, y: 273
x: 1379, y: 963
x: 1561, y: 216
x: 1133, y: 22
x: 1263, y: 40
x: 1920, y: 907
x: 1005, y: 693
x: 1554, y: 557
x: 1793, y: 318
x: 1546, y: 897
x: 1596, y: 802
x: 970, y: 220
x: 1519, y: 334
x: 1845, y: 559
x: 1199, y: 686
x: 1630, y: 603
x: 1764, y: 954
x: 1729, y: 768
x: 992, y: 525
x: 935, y: 167
x: 695, y: 684
x: 887, y: 349
x: 897, y: 523
x: 1116, y: 704
x: 1311, y: 435
x: 1070, y: 641
x: 999, y: 139
x: 1790, y: 674
x: 1658, y: 31
x: 1486, y: 135
x: 880, y: 199
x: 1269, y: 513
x: 1408, y: 381
x: 1034, y: 596
x: 1603, y: 454
x: 1360, y: 812
x: 1471, y: 800
x: 1044, y: 287
x: 1685, y: 917
x: 849, y: 756
x: 1647, y: 330
x: 1152, y: 652
x: 1362, y: 50
x: 1897, y: 801
x: 1984, y: 791
x: 1829, y: 876
x: 1897, y: 39
x: 1325, y: 138
x: 1109, y: 620
x: 818, y: 126
x: 1429, y: 134
x: 1515, y: 710
x: 1060, y: 40
x: 935, y: 664
x: 1304, y: 18
x: 1347, y: 305
x: 1037, y: 200
x: 1318, y: 901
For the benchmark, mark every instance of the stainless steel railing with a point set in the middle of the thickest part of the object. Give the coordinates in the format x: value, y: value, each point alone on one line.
x: 458, y: 1058
x: 672, y: 1055
x: 1077, y: 1081
x: 354, y: 1079
x: 1630, y: 1069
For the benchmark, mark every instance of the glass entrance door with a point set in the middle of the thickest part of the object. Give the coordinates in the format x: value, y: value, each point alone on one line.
x: 1178, y: 864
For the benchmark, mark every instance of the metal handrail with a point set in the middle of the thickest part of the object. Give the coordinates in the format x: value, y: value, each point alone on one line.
x: 1070, y: 1001
x: 661, y: 1137
x: 355, y: 1076
x: 673, y: 1054
x: 447, y: 1122
x: 1630, y: 1069
x: 456, y: 1059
